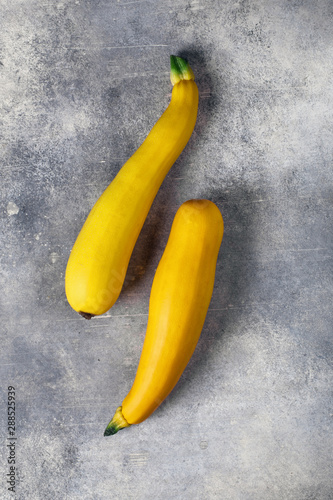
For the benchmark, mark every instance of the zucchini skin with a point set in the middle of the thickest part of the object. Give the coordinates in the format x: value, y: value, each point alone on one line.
x: 179, y: 300
x: 99, y: 259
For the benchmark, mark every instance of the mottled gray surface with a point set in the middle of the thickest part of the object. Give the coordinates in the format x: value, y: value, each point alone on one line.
x: 82, y: 82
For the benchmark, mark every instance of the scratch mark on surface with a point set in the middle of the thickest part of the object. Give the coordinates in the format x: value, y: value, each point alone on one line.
x: 138, y: 459
x: 303, y: 249
x: 116, y: 47
x: 76, y: 424
x: 139, y: 75
x: 97, y: 326
x: 125, y: 315
x: 130, y: 3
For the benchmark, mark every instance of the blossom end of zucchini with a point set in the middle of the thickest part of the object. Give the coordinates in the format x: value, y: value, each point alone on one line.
x: 180, y: 70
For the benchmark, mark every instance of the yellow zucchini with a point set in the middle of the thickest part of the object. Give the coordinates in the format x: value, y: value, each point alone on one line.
x: 179, y: 299
x: 99, y: 259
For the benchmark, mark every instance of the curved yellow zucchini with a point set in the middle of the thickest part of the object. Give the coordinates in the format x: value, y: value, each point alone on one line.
x: 179, y: 299
x: 99, y: 259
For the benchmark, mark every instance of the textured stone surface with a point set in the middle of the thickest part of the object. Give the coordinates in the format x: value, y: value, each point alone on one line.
x: 81, y: 84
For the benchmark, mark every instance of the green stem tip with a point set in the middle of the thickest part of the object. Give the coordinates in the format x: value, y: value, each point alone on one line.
x: 118, y: 422
x: 180, y: 70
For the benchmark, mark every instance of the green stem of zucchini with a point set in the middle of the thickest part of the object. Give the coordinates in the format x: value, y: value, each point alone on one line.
x: 118, y: 422
x: 180, y: 70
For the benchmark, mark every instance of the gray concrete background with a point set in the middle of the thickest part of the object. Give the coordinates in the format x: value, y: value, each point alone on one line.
x: 82, y: 83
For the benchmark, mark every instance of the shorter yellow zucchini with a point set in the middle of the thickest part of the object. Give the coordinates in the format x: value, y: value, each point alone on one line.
x: 179, y: 300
